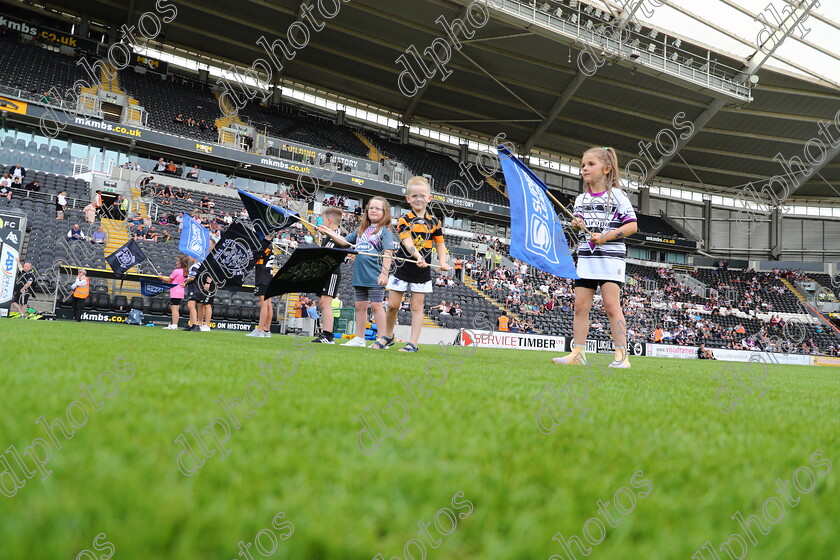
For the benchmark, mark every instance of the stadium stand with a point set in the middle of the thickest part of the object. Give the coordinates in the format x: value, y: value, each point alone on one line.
x: 164, y: 98
x: 34, y: 68
x: 288, y: 123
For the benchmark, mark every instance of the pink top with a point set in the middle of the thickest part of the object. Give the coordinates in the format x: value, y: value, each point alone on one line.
x: 177, y: 277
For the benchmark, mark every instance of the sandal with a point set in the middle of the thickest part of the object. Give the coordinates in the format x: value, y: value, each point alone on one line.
x: 378, y: 345
x: 409, y: 348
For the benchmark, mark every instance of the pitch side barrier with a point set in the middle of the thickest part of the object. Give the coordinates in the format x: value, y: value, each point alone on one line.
x: 98, y: 316
x: 522, y: 341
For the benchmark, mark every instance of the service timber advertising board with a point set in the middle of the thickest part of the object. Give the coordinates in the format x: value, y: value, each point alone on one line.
x: 11, y: 238
x: 517, y: 341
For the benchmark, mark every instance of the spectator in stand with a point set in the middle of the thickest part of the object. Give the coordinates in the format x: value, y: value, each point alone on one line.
x: 152, y: 235
x: 97, y: 201
x: 140, y: 233
x: 193, y: 173
x: 6, y: 187
x: 179, y: 119
x: 164, y: 237
x: 75, y: 233
x: 90, y: 213
x: 17, y: 171
x: 98, y: 236
x: 34, y: 186
x: 60, y: 205
x: 171, y: 168
x: 160, y: 166
x: 205, y: 202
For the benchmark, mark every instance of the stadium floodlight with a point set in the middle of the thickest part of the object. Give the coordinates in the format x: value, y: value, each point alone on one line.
x: 558, y: 12
x: 704, y: 67
x: 689, y: 62
x: 635, y: 44
x: 589, y: 25
x: 588, y: 10
x: 573, y: 4
x: 601, y: 29
x: 652, y: 47
x: 637, y: 28
x: 573, y: 20
x: 544, y: 7
x: 674, y: 56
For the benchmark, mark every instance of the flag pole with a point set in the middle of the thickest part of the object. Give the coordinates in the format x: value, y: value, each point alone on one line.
x: 396, y: 258
x: 566, y: 210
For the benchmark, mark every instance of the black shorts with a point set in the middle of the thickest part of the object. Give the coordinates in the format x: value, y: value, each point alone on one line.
x: 260, y: 289
x: 21, y: 298
x: 330, y: 287
x: 175, y: 301
x: 594, y: 284
x: 202, y: 298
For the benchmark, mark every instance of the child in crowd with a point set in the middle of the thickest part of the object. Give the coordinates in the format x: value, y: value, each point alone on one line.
x: 418, y: 231
x: 605, y: 211
x: 370, y: 273
x: 331, y: 227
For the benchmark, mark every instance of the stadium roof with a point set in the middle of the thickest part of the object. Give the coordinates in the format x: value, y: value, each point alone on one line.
x: 519, y: 75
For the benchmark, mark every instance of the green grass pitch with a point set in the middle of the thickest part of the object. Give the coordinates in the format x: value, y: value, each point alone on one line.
x: 473, y: 440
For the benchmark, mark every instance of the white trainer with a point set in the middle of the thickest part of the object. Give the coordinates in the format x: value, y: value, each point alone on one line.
x: 255, y: 333
x: 265, y: 334
x: 204, y: 328
x: 568, y: 360
x: 358, y: 342
x: 170, y: 327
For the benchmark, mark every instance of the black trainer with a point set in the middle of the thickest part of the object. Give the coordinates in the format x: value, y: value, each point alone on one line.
x: 323, y: 339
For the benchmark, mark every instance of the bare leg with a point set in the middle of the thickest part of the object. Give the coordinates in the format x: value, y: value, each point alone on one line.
x: 361, y: 318
x: 417, y: 300
x: 378, y: 314
x: 394, y: 300
x: 193, y: 313
x: 583, y: 304
x: 326, y: 313
x: 618, y: 324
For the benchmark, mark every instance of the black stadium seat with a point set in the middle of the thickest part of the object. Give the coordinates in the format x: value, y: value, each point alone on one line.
x: 102, y: 302
x: 138, y: 303
x: 219, y: 311
x: 120, y: 304
x: 157, y: 306
x: 232, y: 312
x: 247, y: 314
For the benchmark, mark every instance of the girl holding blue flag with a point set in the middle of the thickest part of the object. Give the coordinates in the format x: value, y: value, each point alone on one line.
x: 606, y: 212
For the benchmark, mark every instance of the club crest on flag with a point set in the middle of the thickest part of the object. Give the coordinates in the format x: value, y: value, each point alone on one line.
x: 124, y: 257
x: 196, y: 242
x: 309, y: 269
x: 234, y: 256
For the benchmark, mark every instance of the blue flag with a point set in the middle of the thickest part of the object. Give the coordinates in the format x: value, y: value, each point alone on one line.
x: 267, y: 218
x: 152, y: 287
x: 195, y: 239
x: 537, y: 236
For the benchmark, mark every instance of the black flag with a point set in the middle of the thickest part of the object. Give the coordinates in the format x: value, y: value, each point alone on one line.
x: 307, y: 270
x: 232, y: 258
x: 267, y: 218
x: 125, y: 257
